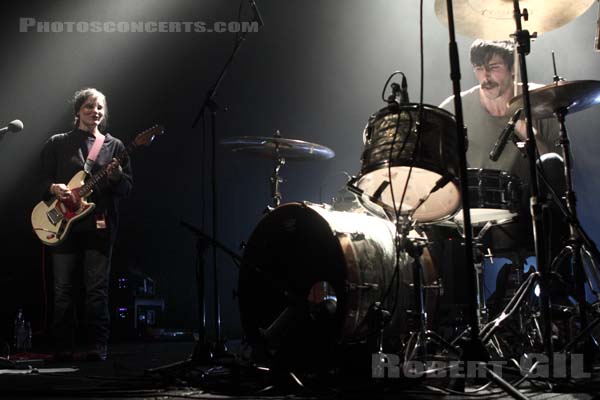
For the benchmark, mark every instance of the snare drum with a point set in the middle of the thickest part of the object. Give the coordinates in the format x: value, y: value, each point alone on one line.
x: 495, y: 196
x: 391, y: 140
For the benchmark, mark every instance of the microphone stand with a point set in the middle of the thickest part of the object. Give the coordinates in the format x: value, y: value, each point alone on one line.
x: 211, y: 105
x: 203, y: 352
x: 472, y: 346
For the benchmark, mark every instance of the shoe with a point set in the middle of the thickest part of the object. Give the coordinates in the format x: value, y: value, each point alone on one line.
x: 98, y: 353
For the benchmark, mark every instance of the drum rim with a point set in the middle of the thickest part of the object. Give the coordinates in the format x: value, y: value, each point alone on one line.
x: 389, y: 109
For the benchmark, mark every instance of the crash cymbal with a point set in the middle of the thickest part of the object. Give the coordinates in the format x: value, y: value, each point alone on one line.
x: 278, y: 147
x: 493, y: 19
x: 571, y: 96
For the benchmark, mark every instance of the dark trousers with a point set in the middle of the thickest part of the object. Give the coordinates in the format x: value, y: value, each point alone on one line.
x: 84, y: 259
x: 513, y: 240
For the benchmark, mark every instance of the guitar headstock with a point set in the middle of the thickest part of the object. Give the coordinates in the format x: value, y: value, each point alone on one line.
x: 145, y: 138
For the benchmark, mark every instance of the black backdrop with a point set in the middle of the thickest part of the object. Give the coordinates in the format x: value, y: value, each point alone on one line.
x: 315, y: 72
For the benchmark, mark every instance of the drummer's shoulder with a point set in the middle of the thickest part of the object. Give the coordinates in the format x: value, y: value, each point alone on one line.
x: 447, y: 104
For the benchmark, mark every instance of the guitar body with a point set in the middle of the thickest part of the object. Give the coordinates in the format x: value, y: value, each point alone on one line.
x: 51, y: 220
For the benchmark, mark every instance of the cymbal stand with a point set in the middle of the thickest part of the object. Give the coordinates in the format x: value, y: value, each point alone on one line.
x: 478, y: 256
x: 473, y: 349
x: 574, y: 246
x: 416, y: 347
x: 275, y: 180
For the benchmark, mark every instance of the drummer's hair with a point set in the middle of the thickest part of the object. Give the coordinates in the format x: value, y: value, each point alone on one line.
x: 482, y: 51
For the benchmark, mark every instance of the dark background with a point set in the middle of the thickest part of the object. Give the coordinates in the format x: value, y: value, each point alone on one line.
x: 315, y: 72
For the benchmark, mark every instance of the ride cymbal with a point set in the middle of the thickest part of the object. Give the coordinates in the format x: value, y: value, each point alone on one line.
x: 570, y: 96
x: 493, y: 19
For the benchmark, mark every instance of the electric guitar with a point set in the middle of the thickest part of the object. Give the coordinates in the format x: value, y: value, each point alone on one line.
x: 52, y: 219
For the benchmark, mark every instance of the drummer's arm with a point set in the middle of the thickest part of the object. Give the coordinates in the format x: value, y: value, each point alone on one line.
x: 544, y: 146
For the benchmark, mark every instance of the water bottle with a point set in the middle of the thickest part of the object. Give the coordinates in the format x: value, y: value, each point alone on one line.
x: 27, y: 340
x: 20, y: 332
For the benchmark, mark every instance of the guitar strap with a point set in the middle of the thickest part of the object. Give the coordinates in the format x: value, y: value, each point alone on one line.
x: 91, y: 158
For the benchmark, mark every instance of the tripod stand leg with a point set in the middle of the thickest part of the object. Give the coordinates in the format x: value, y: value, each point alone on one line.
x: 507, y: 387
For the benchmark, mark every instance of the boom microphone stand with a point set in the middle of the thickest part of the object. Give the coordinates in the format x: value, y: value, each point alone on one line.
x: 211, y: 105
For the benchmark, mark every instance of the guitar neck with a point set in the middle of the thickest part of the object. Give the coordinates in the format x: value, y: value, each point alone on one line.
x: 97, y: 177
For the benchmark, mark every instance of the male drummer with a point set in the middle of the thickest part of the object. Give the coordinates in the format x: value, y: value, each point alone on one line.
x: 485, y: 112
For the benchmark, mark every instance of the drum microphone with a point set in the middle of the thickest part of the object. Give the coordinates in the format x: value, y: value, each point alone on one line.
x: 503, y: 138
x: 404, y: 91
x: 395, y: 93
x: 13, y: 126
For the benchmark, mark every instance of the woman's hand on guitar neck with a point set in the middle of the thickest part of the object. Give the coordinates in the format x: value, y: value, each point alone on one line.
x: 115, y: 171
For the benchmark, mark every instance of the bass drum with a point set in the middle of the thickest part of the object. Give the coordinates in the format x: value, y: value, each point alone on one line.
x: 310, y: 275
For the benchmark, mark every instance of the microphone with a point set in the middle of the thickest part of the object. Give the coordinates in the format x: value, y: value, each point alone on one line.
x: 257, y: 16
x: 597, y: 41
x: 503, y: 138
x: 404, y: 91
x: 13, y: 126
x: 395, y: 93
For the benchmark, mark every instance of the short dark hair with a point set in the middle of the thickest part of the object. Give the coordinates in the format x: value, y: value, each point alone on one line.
x: 482, y: 52
x: 81, y: 96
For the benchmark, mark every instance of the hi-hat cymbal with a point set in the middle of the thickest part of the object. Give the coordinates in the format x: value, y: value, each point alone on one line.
x: 277, y: 147
x: 493, y: 19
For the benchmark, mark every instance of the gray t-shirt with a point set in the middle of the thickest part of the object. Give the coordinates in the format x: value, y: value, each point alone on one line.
x: 483, y: 130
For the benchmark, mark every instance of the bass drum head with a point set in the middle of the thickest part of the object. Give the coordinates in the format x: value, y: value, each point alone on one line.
x: 296, y: 249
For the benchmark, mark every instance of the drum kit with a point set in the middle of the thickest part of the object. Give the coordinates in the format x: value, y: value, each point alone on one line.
x: 315, y: 276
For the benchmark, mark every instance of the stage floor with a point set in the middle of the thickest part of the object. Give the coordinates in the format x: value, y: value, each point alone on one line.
x: 124, y: 376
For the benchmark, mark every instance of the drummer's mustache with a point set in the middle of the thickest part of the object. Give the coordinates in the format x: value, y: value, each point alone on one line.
x: 488, y: 85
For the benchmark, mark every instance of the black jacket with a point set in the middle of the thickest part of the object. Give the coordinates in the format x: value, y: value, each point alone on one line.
x: 64, y: 155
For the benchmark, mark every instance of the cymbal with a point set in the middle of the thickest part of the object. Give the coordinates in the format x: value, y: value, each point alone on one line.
x: 493, y: 19
x: 571, y: 96
x: 277, y: 147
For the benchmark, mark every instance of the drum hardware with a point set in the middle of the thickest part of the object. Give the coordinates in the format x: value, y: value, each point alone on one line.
x: 280, y: 150
x: 559, y: 99
x: 416, y: 347
x: 329, y: 255
x: 276, y: 180
x: 471, y: 343
x: 378, y: 319
x: 364, y: 286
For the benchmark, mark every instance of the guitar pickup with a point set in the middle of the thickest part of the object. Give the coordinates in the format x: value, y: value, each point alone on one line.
x: 54, y: 216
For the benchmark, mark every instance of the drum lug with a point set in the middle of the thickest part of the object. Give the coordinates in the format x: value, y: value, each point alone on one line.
x: 354, y: 236
x: 361, y: 286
